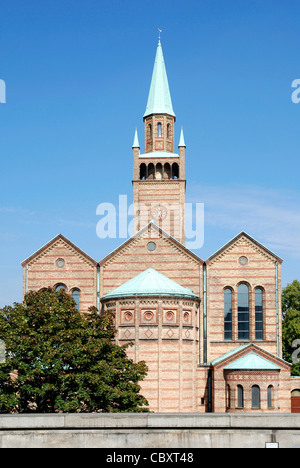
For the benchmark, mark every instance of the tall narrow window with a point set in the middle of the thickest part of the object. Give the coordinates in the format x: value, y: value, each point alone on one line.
x: 168, y: 131
x: 240, y: 396
x: 259, y: 329
x: 228, y: 314
x: 243, y: 312
x: 255, y: 397
x: 228, y: 397
x: 60, y: 287
x: 159, y: 131
x: 150, y: 131
x: 76, y: 297
x: 270, y: 397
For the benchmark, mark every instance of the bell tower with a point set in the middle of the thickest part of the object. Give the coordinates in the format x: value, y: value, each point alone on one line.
x: 159, y: 174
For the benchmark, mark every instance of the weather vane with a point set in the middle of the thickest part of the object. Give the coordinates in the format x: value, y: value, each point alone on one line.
x: 160, y: 31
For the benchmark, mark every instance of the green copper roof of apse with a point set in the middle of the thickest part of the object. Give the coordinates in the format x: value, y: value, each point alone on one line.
x: 252, y: 361
x: 150, y: 283
x: 159, y: 100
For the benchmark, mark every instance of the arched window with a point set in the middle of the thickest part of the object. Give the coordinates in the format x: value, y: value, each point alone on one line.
x: 169, y: 131
x: 228, y: 397
x: 270, y: 397
x: 240, y: 396
x: 167, y: 171
x: 150, y: 131
x: 228, y: 314
x: 60, y: 287
x: 159, y: 171
x: 255, y: 397
x: 243, y: 312
x: 143, y: 171
x: 159, y: 130
x: 175, y: 171
x: 259, y: 329
x: 76, y: 297
x: 151, y: 171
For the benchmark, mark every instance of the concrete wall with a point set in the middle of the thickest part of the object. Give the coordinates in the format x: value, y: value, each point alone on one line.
x: 177, y: 431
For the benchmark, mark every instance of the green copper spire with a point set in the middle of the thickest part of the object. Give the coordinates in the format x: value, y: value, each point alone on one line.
x: 159, y: 100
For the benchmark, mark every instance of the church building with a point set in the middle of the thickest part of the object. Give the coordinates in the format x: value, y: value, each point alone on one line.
x: 209, y: 331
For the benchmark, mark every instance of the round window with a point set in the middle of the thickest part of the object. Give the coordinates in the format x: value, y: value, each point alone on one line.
x: 151, y: 246
x: 243, y: 261
x: 60, y: 263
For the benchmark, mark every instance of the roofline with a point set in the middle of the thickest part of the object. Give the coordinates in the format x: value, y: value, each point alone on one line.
x: 232, y: 241
x: 109, y: 297
x: 145, y: 116
x: 242, y: 348
x: 161, y: 231
x: 52, y: 241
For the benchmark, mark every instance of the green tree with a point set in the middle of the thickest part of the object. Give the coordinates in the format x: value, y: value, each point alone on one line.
x: 291, y: 325
x: 58, y: 360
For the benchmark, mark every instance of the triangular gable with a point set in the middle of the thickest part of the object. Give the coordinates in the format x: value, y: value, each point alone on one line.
x: 150, y: 227
x: 249, y: 355
x: 250, y: 239
x: 49, y: 245
x: 252, y: 361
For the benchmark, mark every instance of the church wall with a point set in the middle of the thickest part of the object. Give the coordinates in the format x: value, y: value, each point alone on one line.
x: 164, y: 334
x: 170, y: 194
x: 77, y: 273
x: 278, y: 379
x: 226, y: 271
x: 167, y: 258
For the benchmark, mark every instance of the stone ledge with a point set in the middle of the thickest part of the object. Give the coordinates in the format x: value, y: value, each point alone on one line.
x: 149, y: 421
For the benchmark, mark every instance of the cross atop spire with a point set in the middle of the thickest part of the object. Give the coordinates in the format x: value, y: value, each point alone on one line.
x: 159, y: 100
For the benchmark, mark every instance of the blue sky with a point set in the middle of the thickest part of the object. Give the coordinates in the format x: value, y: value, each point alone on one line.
x: 77, y: 75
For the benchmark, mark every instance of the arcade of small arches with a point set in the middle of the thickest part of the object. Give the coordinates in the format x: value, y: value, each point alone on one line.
x: 159, y: 171
x: 255, y: 397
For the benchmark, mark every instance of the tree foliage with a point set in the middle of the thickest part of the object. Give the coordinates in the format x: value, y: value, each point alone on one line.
x: 291, y: 325
x: 58, y: 360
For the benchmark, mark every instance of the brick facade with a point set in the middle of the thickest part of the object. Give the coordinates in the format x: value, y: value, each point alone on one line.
x: 185, y: 343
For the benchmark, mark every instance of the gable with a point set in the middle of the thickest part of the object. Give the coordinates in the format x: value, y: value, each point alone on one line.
x: 250, y: 357
x: 244, y: 244
x: 59, y: 243
x: 168, y: 257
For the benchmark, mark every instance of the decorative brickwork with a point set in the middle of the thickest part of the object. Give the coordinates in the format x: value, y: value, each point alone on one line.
x: 192, y: 343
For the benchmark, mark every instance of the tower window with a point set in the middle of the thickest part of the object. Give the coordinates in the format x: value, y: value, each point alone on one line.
x: 175, y: 171
x: 243, y: 312
x: 143, y: 171
x: 167, y: 171
x: 168, y: 131
x: 150, y: 131
x: 159, y: 130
